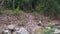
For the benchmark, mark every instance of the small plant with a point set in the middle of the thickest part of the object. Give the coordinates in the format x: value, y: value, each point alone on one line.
x: 16, y: 11
x: 50, y: 25
x: 48, y: 31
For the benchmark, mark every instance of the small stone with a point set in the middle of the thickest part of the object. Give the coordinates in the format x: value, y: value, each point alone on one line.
x: 48, y: 27
x: 40, y: 22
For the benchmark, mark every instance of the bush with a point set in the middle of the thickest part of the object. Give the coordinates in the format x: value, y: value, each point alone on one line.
x: 48, y: 8
x: 16, y: 11
x: 48, y: 31
x: 50, y: 25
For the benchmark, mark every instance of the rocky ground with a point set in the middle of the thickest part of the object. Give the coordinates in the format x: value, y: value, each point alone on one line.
x: 30, y: 21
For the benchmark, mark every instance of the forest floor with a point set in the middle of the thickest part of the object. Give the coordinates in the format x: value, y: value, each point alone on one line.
x: 29, y: 20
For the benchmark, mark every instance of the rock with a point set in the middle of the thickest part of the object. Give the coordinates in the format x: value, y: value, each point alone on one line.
x: 11, y: 27
x: 22, y: 31
x: 40, y: 22
x: 16, y: 29
x: 6, y: 32
x: 57, y: 31
x: 48, y: 27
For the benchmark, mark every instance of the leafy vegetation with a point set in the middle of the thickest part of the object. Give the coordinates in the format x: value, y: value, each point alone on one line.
x: 48, y: 31
x: 49, y: 8
x: 50, y: 25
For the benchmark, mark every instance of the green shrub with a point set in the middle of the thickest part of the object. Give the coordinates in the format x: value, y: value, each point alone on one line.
x: 50, y: 25
x: 48, y: 31
x: 16, y: 11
